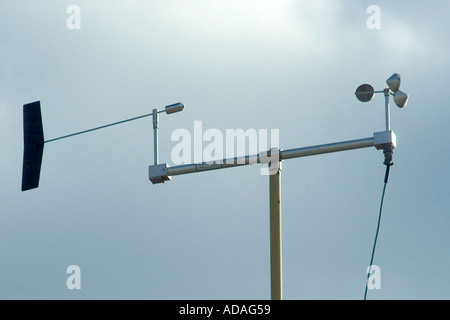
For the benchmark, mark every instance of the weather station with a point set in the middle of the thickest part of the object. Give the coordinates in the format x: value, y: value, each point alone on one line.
x: 161, y: 172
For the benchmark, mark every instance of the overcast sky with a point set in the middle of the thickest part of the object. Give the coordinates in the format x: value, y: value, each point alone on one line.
x: 286, y: 65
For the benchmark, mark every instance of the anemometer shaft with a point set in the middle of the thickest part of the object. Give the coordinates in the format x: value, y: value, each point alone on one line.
x: 155, y: 135
x: 388, y: 112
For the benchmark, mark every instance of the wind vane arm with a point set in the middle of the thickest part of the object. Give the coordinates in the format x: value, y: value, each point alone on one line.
x: 34, y: 139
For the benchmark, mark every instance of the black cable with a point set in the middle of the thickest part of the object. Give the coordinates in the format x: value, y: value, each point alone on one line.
x: 386, y: 177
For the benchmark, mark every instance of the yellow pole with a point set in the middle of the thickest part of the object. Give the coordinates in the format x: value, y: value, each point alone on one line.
x: 275, y: 236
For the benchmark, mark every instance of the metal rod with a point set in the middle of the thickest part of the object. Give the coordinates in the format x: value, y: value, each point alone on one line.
x: 276, y: 273
x: 155, y: 136
x: 326, y: 148
x: 97, y: 128
x: 284, y: 154
x: 387, y: 109
x: 213, y: 165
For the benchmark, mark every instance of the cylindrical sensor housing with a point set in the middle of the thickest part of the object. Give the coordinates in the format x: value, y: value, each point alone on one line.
x: 176, y: 107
